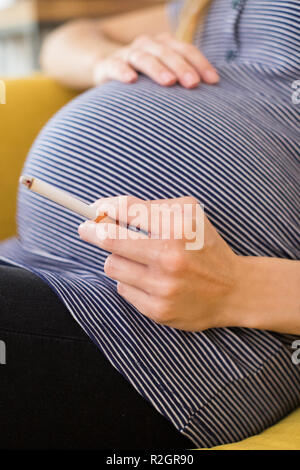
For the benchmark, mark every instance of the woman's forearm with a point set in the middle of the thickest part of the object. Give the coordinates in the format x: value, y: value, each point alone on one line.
x: 268, y: 294
x: 70, y: 53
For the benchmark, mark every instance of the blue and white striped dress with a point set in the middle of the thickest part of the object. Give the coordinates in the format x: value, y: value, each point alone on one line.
x: 233, y: 146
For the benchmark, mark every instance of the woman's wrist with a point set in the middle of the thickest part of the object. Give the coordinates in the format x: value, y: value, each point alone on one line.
x: 71, y: 53
x: 266, y: 295
x: 97, y: 59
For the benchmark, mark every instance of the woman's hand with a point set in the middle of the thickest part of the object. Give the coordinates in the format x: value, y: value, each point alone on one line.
x: 162, y: 58
x: 183, y: 288
x: 178, y: 282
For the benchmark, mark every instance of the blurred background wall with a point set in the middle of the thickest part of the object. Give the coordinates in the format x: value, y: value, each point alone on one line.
x: 24, y: 24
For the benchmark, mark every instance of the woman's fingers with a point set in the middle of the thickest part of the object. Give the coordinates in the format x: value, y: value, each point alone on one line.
x: 164, y: 59
x: 186, y: 73
x: 142, y: 301
x: 124, y: 270
x: 132, y: 273
x: 114, y: 68
x: 155, y: 308
x: 148, y: 64
x: 205, y: 69
x: 120, y: 241
x: 151, y: 280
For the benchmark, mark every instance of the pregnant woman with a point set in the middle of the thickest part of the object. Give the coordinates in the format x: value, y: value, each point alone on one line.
x: 122, y: 343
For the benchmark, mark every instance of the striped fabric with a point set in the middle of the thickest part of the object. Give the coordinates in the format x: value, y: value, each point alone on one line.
x: 235, y: 147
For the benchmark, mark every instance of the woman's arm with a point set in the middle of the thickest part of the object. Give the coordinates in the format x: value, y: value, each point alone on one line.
x: 268, y: 294
x: 70, y: 52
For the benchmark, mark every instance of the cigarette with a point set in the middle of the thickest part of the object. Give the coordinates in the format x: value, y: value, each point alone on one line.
x: 68, y: 201
x: 61, y: 197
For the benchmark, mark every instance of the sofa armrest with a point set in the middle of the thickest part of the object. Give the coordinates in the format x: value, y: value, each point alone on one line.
x: 284, y: 435
x: 30, y: 102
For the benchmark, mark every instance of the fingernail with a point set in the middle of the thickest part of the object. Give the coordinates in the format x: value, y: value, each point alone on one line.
x: 129, y: 76
x: 167, y: 77
x: 85, y: 227
x: 190, y: 79
x: 211, y: 76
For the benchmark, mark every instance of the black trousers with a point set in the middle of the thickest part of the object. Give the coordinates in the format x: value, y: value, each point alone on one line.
x: 57, y: 390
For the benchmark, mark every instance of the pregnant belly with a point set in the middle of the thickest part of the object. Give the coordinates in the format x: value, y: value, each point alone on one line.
x: 155, y: 143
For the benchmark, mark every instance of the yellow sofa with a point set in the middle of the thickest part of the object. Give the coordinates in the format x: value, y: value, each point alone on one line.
x: 29, y: 104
